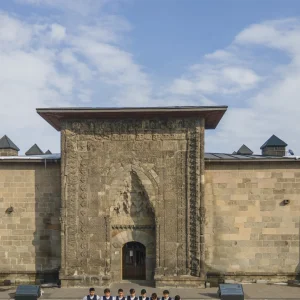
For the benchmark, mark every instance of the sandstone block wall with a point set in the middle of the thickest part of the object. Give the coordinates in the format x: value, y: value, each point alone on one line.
x: 30, y: 235
x: 248, y: 229
x: 8, y: 152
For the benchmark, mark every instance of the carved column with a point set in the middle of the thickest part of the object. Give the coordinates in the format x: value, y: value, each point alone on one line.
x: 82, y: 216
x: 194, y: 195
x: 202, y: 211
x: 70, y: 193
x: 157, y: 243
x: 181, y: 212
x: 63, y: 204
x: 107, y: 246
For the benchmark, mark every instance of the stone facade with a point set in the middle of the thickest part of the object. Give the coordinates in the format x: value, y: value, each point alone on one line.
x: 251, y: 233
x: 8, y: 152
x: 127, y: 180
x: 275, y: 151
x: 29, y: 223
x: 143, y: 179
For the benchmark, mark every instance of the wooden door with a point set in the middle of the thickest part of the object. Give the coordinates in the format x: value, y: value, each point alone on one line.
x: 134, y: 261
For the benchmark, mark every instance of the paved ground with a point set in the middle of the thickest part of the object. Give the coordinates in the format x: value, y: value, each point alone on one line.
x: 252, y: 291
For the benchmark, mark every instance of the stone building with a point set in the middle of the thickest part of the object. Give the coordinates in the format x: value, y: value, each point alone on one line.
x: 133, y: 195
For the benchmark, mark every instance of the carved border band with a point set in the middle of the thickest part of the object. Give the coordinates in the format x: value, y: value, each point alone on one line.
x: 194, y: 197
x: 71, y: 200
x: 181, y: 212
x: 82, y: 214
x: 131, y: 227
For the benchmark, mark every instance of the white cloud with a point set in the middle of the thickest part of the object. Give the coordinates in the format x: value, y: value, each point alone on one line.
x: 46, y: 64
x: 219, y: 55
x: 81, y: 7
x: 280, y: 34
x: 240, y: 76
x: 13, y: 33
x: 68, y: 59
x: 52, y: 63
x: 183, y: 87
x: 29, y: 78
x: 58, y: 32
x: 262, y: 96
x: 274, y: 108
x: 215, y: 79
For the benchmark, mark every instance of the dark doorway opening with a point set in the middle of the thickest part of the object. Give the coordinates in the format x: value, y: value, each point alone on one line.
x: 134, y: 261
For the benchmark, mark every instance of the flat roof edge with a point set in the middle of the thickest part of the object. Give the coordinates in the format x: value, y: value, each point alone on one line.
x: 209, y: 160
x: 29, y: 160
x: 54, y: 116
x: 128, y: 109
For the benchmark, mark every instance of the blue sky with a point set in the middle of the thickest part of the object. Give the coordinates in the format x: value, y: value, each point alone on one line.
x: 240, y: 53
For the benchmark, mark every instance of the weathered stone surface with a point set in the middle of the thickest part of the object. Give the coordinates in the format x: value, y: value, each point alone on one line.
x: 30, y: 235
x: 8, y: 152
x: 253, y: 232
x: 145, y: 181
x: 126, y: 181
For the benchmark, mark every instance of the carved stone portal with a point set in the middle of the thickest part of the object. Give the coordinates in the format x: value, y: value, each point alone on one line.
x: 132, y: 180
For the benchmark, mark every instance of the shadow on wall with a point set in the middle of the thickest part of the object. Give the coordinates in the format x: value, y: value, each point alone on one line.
x: 133, y: 238
x: 214, y: 276
x: 46, y: 237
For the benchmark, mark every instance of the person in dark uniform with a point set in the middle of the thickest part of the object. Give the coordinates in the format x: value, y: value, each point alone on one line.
x: 177, y: 297
x: 120, y: 295
x: 166, y: 295
x: 143, y: 295
x: 107, y: 295
x: 154, y: 296
x: 132, y: 295
x: 91, y: 295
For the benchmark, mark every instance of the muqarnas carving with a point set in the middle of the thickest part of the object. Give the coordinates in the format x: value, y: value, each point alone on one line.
x: 132, y: 200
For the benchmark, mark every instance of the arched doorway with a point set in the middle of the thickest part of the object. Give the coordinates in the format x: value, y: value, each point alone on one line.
x: 134, y: 261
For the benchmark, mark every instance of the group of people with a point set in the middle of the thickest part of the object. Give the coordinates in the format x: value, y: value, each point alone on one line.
x: 107, y: 295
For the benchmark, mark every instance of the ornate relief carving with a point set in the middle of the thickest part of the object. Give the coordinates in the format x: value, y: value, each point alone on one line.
x: 135, y: 166
x: 107, y: 248
x: 181, y: 202
x: 202, y: 203
x: 132, y: 200
x: 82, y: 215
x: 133, y: 227
x: 202, y: 215
x: 113, y: 145
x: 71, y: 198
x: 172, y: 129
x: 157, y: 244
x: 194, y: 190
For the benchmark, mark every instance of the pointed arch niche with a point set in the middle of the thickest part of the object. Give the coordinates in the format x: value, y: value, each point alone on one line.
x: 132, y: 197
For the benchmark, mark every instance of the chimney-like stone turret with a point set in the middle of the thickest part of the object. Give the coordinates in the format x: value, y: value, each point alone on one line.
x: 7, y: 147
x: 274, y: 147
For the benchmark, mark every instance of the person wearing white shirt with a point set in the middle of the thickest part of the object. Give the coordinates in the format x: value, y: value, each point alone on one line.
x: 91, y: 295
x: 120, y: 295
x: 144, y: 295
x: 166, y: 295
x: 132, y: 295
x: 107, y: 295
